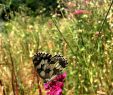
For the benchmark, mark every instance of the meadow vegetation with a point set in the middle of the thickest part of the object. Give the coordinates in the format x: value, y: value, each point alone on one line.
x: 80, y: 35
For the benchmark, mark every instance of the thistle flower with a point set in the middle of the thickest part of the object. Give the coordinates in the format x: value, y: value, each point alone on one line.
x: 55, y: 86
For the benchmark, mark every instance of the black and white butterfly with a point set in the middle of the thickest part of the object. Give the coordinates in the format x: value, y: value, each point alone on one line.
x: 48, y: 66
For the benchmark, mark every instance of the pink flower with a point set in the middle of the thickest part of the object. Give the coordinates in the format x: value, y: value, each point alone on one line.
x: 55, y: 86
x: 78, y: 12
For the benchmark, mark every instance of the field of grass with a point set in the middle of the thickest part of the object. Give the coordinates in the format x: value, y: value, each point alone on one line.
x: 81, y: 38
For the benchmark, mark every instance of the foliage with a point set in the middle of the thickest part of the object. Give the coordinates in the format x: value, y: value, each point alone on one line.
x: 37, y: 7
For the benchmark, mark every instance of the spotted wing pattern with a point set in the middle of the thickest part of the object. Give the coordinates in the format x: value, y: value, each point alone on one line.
x: 47, y: 66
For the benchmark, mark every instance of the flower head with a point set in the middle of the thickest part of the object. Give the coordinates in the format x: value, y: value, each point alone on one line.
x: 78, y: 12
x: 55, y: 86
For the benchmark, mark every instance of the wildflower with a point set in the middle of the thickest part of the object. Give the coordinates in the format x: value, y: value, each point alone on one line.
x: 78, y: 12
x: 55, y: 86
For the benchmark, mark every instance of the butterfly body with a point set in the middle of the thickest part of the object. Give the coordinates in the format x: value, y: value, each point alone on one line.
x: 47, y: 66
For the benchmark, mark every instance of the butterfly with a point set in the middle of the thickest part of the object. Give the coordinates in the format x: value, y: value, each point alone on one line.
x: 48, y: 66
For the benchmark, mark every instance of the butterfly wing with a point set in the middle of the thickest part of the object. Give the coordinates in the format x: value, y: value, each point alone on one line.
x: 48, y: 66
x: 41, y: 61
x: 58, y: 63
